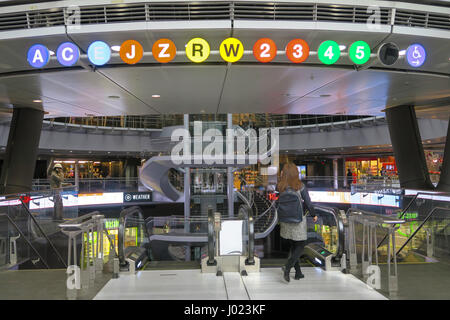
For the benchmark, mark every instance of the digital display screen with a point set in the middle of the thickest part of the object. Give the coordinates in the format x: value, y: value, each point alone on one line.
x: 301, y: 172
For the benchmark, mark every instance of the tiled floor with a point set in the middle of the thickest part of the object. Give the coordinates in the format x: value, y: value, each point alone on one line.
x: 266, y: 285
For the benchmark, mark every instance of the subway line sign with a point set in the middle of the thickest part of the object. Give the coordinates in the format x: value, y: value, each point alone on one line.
x: 198, y: 50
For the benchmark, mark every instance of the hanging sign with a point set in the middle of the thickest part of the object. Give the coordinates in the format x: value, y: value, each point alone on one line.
x: 297, y: 50
x: 197, y: 50
x: 164, y: 50
x: 416, y: 55
x: 265, y: 50
x: 231, y: 50
x: 131, y: 52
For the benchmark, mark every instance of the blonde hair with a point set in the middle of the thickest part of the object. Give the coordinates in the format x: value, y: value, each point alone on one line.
x: 289, y: 178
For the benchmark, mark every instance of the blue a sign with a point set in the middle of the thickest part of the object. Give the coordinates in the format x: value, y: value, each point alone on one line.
x: 38, y: 56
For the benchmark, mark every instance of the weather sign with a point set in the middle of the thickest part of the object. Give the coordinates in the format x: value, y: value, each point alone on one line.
x: 416, y: 55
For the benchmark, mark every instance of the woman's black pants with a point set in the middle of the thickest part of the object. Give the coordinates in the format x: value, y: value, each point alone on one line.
x: 294, y: 255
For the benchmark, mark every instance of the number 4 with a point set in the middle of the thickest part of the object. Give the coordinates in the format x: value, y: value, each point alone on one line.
x: 329, y: 53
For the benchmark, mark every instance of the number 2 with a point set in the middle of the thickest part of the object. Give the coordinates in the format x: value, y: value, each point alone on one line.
x: 265, y: 50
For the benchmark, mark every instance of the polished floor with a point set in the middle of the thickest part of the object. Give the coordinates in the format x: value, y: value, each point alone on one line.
x: 266, y: 285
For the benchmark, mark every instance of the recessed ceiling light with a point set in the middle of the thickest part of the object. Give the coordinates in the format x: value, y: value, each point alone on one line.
x: 156, y: 96
x: 115, y: 48
x: 37, y: 101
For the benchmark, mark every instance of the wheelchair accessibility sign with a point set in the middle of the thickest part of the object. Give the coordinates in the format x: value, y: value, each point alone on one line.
x: 416, y: 55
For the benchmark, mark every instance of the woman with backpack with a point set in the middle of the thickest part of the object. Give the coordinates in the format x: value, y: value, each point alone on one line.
x: 292, y: 201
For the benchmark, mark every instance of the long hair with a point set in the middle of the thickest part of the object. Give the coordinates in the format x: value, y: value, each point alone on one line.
x: 289, y: 178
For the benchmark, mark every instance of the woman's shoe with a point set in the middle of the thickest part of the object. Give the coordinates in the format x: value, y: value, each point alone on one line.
x: 286, y: 277
x: 298, y: 275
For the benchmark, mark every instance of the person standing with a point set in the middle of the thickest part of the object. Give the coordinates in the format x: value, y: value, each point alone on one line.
x: 349, y: 178
x: 295, y: 233
x: 55, y: 174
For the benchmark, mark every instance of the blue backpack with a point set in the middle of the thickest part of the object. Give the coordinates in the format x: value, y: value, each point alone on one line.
x: 290, y: 206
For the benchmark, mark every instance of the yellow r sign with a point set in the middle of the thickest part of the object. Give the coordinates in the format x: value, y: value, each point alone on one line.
x: 197, y: 50
x: 231, y: 49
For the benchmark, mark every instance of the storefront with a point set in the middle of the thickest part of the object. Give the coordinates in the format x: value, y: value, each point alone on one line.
x: 92, y: 169
x: 371, y: 167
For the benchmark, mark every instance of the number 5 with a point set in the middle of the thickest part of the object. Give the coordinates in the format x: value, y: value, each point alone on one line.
x: 359, y: 52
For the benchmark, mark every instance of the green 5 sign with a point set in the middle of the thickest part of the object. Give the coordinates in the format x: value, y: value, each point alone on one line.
x: 359, y: 52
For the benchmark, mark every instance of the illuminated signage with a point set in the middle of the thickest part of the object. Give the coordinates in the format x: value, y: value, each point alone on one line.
x: 197, y: 50
x: 38, y: 56
x: 359, y: 52
x: 68, y: 54
x: 416, y: 55
x: 131, y: 52
x: 99, y: 53
x: 231, y: 50
x: 164, y: 50
x: 329, y: 52
x: 137, y: 197
x: 297, y: 50
x: 265, y: 50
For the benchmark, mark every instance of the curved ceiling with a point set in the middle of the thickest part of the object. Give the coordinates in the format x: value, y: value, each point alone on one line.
x: 217, y: 87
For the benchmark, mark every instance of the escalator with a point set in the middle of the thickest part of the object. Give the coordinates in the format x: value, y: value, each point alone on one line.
x: 326, y: 239
x: 133, y: 240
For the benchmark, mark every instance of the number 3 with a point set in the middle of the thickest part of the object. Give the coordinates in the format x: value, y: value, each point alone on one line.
x: 298, y: 51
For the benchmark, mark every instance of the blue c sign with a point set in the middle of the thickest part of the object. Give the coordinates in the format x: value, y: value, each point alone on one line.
x: 68, y: 54
x: 38, y: 56
x: 99, y: 53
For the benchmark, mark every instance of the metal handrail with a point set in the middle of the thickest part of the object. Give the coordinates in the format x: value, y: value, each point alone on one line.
x: 124, y: 215
x: 379, y: 219
x: 406, y: 209
x: 251, y: 237
x: 340, y: 226
x: 23, y: 237
x: 421, y: 225
x: 43, y: 233
x: 211, y: 235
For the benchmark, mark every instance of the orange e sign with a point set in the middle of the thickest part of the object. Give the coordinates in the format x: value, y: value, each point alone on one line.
x: 164, y: 50
x: 131, y: 51
x: 265, y: 50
